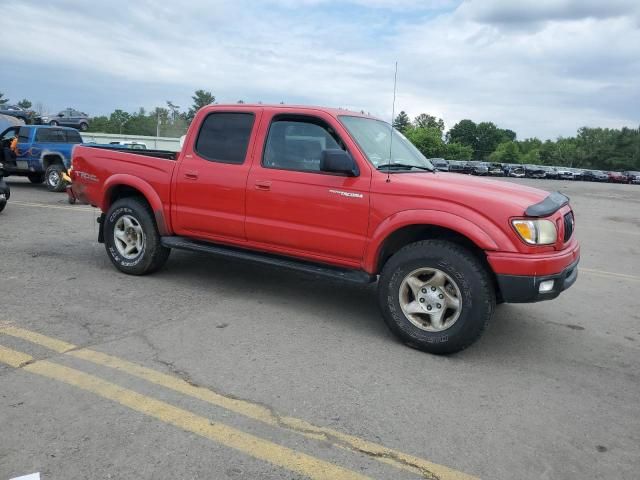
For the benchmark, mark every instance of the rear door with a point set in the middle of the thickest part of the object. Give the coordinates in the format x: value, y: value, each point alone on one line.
x: 296, y: 208
x: 211, y: 179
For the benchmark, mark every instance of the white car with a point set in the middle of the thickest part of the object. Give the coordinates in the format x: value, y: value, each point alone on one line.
x: 131, y: 145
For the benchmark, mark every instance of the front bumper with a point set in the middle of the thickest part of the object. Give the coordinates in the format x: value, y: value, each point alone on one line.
x: 526, y: 289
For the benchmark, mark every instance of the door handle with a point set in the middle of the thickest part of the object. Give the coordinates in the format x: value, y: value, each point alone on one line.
x: 191, y: 175
x: 263, y: 185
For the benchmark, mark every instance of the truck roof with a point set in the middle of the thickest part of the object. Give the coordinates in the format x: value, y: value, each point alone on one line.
x: 310, y: 108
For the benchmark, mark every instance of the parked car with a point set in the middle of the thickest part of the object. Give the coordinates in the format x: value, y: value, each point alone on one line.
x: 478, y: 168
x: 617, y: 177
x: 440, y: 163
x: 69, y: 117
x: 534, y: 171
x: 27, y: 116
x: 564, y: 173
x: 632, y: 177
x: 440, y: 260
x: 133, y: 145
x: 577, y: 173
x: 495, y: 169
x: 516, y: 171
x: 595, y: 176
x: 550, y: 172
x: 458, y: 166
x: 43, y: 153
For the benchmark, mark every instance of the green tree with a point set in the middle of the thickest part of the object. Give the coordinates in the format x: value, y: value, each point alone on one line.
x: 427, y: 140
x: 3, y: 101
x: 402, y: 122
x: 506, y: 152
x: 465, y: 133
x: 424, y: 120
x: 201, y: 98
x: 24, y: 103
x: 457, y: 151
x: 488, y: 138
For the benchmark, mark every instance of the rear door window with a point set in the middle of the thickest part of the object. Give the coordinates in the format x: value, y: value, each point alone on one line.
x: 224, y: 137
x: 72, y: 136
x: 50, y: 135
x: 23, y: 135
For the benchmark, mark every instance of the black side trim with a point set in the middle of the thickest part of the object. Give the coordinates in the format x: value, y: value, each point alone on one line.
x: 549, y: 205
x: 182, y: 243
x: 525, y: 289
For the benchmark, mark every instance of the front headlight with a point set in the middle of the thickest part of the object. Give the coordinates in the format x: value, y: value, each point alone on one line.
x: 536, y: 232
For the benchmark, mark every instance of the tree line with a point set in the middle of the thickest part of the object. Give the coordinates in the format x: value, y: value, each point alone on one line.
x: 593, y: 148
x: 596, y: 148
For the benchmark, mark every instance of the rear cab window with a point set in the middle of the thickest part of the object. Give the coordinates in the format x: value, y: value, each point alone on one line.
x: 51, y: 135
x: 224, y: 137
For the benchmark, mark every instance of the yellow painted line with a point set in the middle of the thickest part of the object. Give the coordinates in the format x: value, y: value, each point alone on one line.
x: 602, y: 273
x: 37, y: 338
x: 251, y: 445
x: 13, y: 358
x: 45, y: 205
x: 248, y: 409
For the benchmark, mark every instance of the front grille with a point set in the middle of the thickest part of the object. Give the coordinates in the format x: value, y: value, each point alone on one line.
x: 568, y: 226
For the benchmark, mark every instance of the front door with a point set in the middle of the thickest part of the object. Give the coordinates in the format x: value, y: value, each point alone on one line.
x: 293, y: 206
x: 209, y: 195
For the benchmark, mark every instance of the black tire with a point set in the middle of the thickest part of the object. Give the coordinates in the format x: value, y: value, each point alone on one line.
x: 53, y: 123
x: 53, y: 178
x: 153, y: 255
x: 36, y: 178
x: 472, y: 278
x: 84, y: 127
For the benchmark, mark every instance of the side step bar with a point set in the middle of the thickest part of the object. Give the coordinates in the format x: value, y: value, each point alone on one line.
x: 182, y: 243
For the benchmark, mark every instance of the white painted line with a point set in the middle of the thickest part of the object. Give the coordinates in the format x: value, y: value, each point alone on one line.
x: 32, y: 476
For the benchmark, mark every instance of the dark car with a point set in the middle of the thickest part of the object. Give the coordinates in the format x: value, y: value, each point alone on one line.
x: 496, y: 170
x: 632, y: 177
x: 617, y: 177
x: 478, y: 168
x: 513, y: 170
x: 69, y: 117
x: 534, y: 171
x: 595, y: 176
x: 550, y: 172
x: 458, y: 166
x: 440, y: 163
x: 27, y: 116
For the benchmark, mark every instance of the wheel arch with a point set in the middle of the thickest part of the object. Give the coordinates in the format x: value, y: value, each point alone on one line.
x: 123, y: 186
x: 52, y: 158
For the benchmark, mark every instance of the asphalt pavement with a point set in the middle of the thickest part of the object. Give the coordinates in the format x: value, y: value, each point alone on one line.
x: 215, y: 369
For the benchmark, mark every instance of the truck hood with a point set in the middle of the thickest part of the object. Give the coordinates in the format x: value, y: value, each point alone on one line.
x: 479, y: 194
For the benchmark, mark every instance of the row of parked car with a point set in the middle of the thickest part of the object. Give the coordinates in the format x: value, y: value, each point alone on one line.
x: 494, y: 169
x: 69, y: 117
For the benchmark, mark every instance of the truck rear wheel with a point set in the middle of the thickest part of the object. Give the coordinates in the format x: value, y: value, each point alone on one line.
x: 132, y: 239
x: 53, y: 177
x: 436, y: 296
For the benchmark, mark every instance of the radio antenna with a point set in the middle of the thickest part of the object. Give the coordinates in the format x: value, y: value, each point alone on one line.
x: 393, y: 115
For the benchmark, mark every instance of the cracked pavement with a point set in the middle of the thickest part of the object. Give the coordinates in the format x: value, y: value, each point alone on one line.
x: 550, y: 391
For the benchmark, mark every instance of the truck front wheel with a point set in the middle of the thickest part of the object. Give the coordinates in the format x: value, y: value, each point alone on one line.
x: 436, y: 296
x: 132, y: 239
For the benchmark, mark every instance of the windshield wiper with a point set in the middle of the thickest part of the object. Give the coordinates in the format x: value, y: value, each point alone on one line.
x: 403, y: 166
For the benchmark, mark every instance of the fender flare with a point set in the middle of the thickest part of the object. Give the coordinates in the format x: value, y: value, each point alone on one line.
x: 152, y: 197
x: 437, y: 218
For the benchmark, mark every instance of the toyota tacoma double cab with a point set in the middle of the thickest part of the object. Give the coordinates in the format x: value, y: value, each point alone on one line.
x: 339, y: 194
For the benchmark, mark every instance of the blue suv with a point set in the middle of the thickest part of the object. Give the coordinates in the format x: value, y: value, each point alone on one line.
x: 43, y: 153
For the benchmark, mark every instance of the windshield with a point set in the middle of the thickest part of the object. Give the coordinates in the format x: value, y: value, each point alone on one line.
x: 374, y: 138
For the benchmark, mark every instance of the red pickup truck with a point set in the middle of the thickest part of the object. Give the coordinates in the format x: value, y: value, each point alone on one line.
x: 335, y: 193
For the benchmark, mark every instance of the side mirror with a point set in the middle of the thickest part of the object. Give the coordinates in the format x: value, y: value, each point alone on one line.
x: 334, y: 160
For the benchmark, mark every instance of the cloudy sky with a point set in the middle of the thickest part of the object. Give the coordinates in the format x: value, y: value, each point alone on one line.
x: 540, y: 67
